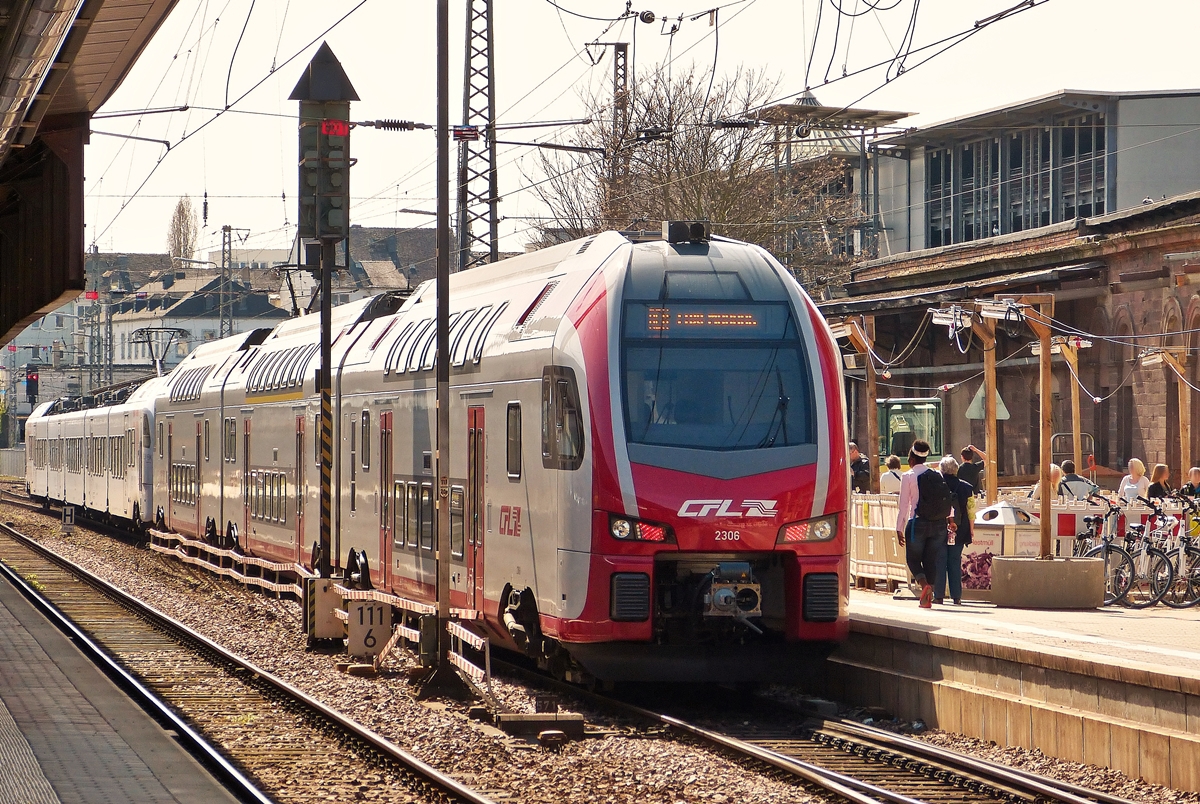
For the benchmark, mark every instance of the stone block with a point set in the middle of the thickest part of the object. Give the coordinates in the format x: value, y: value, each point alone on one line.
x: 1097, y: 742
x: 1069, y: 736
x: 1170, y: 710
x: 948, y: 702
x: 995, y: 719
x: 1156, y: 758
x: 1030, y: 583
x: 1044, y: 729
x: 1020, y: 724
x: 1110, y: 699
x: 1185, y: 767
x: 1125, y: 750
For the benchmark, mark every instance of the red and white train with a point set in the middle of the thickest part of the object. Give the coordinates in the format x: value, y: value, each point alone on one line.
x: 649, y: 469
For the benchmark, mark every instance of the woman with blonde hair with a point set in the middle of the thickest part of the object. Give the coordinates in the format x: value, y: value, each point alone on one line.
x: 1135, y: 484
x: 1035, y: 494
x: 1160, y: 486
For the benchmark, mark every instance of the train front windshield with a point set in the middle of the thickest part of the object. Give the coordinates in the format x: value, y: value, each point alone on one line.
x: 715, y: 376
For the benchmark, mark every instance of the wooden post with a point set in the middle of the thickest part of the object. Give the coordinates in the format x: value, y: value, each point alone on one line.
x: 872, y: 406
x: 1070, y: 354
x: 1039, y: 322
x: 1178, y: 365
x: 862, y: 338
x: 986, y: 332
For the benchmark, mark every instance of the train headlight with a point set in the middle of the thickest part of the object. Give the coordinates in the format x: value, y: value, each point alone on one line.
x: 627, y: 529
x: 810, y: 530
x: 621, y: 528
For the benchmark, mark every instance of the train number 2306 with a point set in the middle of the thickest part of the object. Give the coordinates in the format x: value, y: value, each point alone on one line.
x: 729, y: 535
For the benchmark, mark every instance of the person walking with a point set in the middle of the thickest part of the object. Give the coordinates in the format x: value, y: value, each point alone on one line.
x: 1160, y: 485
x: 860, y: 470
x: 971, y: 470
x: 924, y: 507
x: 1134, y: 484
x: 1073, y: 486
x: 959, y: 533
x: 889, y: 481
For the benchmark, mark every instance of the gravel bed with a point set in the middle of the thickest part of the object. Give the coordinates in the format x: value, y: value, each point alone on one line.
x: 624, y: 766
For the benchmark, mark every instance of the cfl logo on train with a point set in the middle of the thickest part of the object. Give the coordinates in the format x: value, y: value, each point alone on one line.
x: 703, y: 508
x: 510, y: 520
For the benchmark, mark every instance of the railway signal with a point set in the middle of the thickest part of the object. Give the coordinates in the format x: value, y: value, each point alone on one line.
x: 31, y: 383
x: 325, y: 92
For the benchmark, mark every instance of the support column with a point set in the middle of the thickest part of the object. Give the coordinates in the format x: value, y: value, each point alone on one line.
x: 871, y: 404
x: 1039, y: 322
x: 1071, y: 355
x: 1179, y: 366
x: 986, y: 332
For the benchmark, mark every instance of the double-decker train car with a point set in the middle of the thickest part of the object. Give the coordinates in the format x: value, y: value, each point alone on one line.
x: 648, y: 474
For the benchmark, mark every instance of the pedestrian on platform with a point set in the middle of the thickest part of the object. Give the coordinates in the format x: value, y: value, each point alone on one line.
x: 959, y: 533
x: 1135, y: 484
x: 860, y: 470
x: 1073, y: 486
x: 924, y: 507
x: 971, y: 470
x: 1192, y: 487
x: 889, y: 481
x: 1160, y: 482
x: 1035, y: 493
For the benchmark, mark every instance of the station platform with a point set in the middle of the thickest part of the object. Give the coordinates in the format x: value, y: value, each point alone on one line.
x: 68, y: 734
x: 1111, y: 687
x: 1156, y: 638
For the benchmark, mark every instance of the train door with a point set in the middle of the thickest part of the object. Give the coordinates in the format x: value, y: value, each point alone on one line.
x: 198, y: 498
x: 301, y: 490
x: 244, y: 536
x: 170, y: 506
x: 476, y: 450
x: 386, y: 522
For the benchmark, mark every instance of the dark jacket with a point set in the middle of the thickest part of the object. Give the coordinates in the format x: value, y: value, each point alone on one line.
x: 1159, y: 490
x: 962, y: 494
x: 860, y: 471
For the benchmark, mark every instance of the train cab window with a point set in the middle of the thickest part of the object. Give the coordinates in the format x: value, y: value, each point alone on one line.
x: 513, y: 440
x: 426, y: 516
x: 413, y: 523
x: 457, y: 522
x: 366, y: 439
x: 562, y: 420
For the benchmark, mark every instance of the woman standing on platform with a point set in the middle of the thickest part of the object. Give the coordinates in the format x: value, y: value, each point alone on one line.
x: 1135, y: 484
x: 1160, y: 486
x: 959, y: 534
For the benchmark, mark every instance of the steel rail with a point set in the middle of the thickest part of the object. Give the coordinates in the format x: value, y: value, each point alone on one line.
x: 1025, y: 783
x: 196, y: 745
x: 1065, y: 792
x: 444, y: 783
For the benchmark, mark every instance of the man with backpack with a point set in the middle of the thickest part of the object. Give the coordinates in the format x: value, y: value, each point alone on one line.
x: 924, y: 506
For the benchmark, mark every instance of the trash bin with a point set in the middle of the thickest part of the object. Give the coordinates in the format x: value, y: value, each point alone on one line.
x: 1000, y: 529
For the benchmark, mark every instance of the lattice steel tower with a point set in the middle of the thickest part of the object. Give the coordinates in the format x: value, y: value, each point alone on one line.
x: 478, y: 223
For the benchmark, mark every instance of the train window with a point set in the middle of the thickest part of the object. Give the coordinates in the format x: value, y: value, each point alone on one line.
x: 206, y: 439
x: 413, y: 524
x: 426, y: 516
x: 513, y: 442
x: 317, y: 438
x: 457, y: 524
x: 398, y: 514
x: 283, y: 498
x: 160, y: 439
x: 562, y: 420
x: 231, y: 440
x: 353, y: 463
x: 366, y: 439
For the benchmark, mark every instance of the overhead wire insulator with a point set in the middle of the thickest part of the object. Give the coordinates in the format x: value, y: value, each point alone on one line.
x: 394, y: 125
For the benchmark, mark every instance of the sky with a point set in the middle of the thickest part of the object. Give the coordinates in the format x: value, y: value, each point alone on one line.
x: 213, y: 54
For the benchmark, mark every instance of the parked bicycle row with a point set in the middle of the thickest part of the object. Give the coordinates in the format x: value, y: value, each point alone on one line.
x: 1145, y: 563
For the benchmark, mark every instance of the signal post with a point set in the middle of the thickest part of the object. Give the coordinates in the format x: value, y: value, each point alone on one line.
x: 325, y: 92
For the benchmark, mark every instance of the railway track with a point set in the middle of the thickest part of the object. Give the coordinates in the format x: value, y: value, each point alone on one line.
x: 275, y: 743
x: 856, y: 763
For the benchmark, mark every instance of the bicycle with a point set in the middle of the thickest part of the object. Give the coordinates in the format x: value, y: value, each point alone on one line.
x: 1097, y: 541
x: 1153, y: 571
x: 1185, y: 559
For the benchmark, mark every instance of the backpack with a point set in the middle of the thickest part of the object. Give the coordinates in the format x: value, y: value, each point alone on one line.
x: 934, y: 498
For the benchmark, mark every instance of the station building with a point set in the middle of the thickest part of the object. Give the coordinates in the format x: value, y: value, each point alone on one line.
x: 1094, y: 197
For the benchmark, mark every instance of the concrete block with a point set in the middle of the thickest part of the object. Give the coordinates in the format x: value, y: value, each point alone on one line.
x: 1110, y: 699
x: 1044, y: 730
x: 1084, y: 694
x: 995, y: 719
x: 1097, y: 742
x: 1125, y: 750
x: 1020, y: 724
x: 1030, y: 583
x: 948, y: 701
x: 1185, y: 769
x: 1193, y: 714
x: 1033, y: 684
x: 1059, y: 687
x: 971, y: 713
x: 523, y: 724
x: 1156, y: 758
x: 1069, y: 736
x: 1170, y: 710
